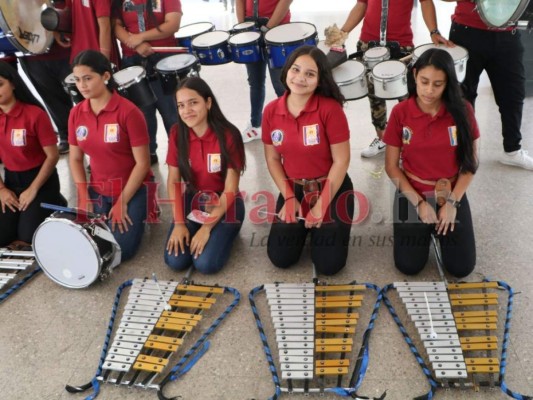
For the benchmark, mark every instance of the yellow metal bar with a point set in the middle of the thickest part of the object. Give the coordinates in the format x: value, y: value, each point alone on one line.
x: 486, y: 313
x: 334, y: 329
x: 331, y: 371
x: 173, y: 327
x: 466, y: 296
x: 473, y: 285
x: 199, y: 299
x: 337, y: 304
x: 143, y: 358
x: 161, y: 346
x: 336, y: 322
x: 148, y: 367
x: 482, y: 361
x: 483, y: 369
x: 201, y: 289
x: 473, y: 327
x: 189, y: 304
x: 479, y: 346
x: 333, y: 349
x: 330, y: 341
x: 333, y: 363
x: 339, y: 288
x: 165, y: 339
x: 173, y: 314
x: 358, y: 297
x: 478, y: 339
x: 178, y: 321
x: 476, y: 302
x: 336, y: 315
x: 478, y: 320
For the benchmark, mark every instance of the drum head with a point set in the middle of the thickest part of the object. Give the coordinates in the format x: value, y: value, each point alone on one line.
x: 388, y: 70
x: 127, y: 76
x: 290, y: 33
x: 177, y: 62
x: 499, y: 13
x: 420, y: 49
x: 244, y: 38
x: 66, y: 253
x: 376, y: 53
x: 20, y: 21
x: 210, y: 39
x: 244, y: 25
x: 458, y: 52
x: 193, y: 29
x: 348, y: 72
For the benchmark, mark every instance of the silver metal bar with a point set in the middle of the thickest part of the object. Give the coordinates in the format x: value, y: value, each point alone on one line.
x: 296, y: 352
x: 294, y: 332
x: 293, y: 325
x: 445, y: 358
x: 290, y: 338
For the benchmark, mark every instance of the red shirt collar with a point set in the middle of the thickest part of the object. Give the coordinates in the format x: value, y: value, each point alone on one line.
x: 208, y: 136
x: 310, y: 106
x: 15, y: 111
x: 111, y: 105
x: 416, y: 112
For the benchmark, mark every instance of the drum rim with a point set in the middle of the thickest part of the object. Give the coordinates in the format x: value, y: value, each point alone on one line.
x: 215, y: 45
x: 350, y: 80
x: 278, y: 44
x: 387, y: 54
x: 247, y: 23
x: 137, y: 79
x: 212, y: 28
x: 244, y: 43
x: 192, y: 57
x: 392, y: 78
x: 441, y: 47
x: 66, y: 221
x: 515, y: 17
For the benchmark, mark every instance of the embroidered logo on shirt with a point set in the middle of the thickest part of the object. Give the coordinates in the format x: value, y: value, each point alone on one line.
x: 18, y: 137
x: 86, y: 3
x: 407, y: 135
x: 311, y: 135
x: 156, y: 5
x: 452, y: 131
x: 277, y: 137
x: 214, y: 163
x: 111, y: 133
x: 81, y: 133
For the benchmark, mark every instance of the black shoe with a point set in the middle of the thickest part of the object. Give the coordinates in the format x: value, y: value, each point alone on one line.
x: 153, y: 159
x: 63, y: 147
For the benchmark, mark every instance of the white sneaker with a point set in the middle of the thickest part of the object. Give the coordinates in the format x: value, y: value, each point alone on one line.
x: 376, y: 147
x: 250, y: 133
x: 518, y: 158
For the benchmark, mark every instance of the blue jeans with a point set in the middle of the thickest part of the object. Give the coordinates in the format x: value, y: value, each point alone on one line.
x: 129, y: 241
x: 165, y: 104
x: 256, y: 80
x: 217, y: 250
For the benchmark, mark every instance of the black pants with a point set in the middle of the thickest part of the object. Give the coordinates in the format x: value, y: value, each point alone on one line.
x: 500, y: 53
x: 47, y: 76
x: 329, y: 243
x: 412, y: 240
x: 21, y: 225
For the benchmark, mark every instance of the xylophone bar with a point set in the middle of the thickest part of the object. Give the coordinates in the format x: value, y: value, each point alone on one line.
x: 16, y: 268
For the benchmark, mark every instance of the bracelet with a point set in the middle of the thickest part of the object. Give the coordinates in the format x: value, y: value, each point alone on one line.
x: 434, y: 31
x: 290, y: 197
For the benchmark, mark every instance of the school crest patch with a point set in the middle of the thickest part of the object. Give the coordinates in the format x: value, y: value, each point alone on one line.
x: 277, y: 137
x: 18, y: 137
x: 111, y: 133
x: 407, y: 135
x: 452, y: 132
x: 81, y: 133
x: 311, y: 135
x: 214, y: 163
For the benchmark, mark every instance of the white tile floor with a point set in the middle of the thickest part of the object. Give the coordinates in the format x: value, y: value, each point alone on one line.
x: 52, y: 336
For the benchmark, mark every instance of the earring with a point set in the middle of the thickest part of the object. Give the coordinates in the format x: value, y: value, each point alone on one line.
x: 106, y: 81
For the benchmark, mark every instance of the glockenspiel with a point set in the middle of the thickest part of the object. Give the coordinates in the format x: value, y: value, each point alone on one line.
x: 16, y: 268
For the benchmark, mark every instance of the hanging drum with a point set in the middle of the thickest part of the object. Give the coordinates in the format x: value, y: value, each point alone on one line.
x: 502, y: 14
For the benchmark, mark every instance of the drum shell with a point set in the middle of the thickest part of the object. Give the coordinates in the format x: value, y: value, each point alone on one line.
x: 69, y: 85
x: 355, y: 87
x: 186, y: 41
x: 246, y: 52
x: 459, y: 62
x: 136, y: 90
x: 213, y: 53
x: 55, y: 245
x: 371, y: 61
x: 278, y: 52
x: 54, y: 19
x: 389, y: 87
x: 170, y: 79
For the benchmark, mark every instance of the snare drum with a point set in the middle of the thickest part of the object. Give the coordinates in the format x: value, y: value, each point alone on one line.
x: 172, y: 69
x: 246, y: 47
x: 212, y: 48
x: 69, y: 84
x: 133, y: 85
x: 187, y: 33
x: 390, y: 80
x: 350, y: 77
x: 21, y: 29
x: 72, y: 254
x: 458, y: 53
x: 375, y: 55
x: 245, y: 27
x: 284, y: 39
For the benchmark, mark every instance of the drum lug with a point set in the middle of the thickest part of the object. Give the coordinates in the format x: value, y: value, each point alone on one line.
x: 220, y: 54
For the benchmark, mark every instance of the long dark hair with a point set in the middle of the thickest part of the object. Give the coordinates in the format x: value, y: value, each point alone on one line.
x: 98, y: 63
x: 326, y: 84
x: 21, y: 91
x: 454, y: 101
x: 220, y: 126
x: 117, y: 6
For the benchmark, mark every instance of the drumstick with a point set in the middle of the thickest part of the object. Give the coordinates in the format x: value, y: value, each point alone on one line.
x: 167, y: 306
x: 406, y: 59
x: 170, y: 49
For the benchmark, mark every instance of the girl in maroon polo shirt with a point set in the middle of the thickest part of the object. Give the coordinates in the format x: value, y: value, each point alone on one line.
x: 29, y: 153
x: 112, y: 131
x: 206, y: 152
x: 430, y: 136
x: 307, y: 150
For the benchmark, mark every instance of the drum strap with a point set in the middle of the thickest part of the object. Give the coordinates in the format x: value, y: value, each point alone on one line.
x: 384, y: 18
x: 256, y: 9
x: 139, y: 9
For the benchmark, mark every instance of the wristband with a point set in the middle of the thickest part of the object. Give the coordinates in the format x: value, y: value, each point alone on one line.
x: 454, y: 203
x: 290, y: 197
x: 434, y: 31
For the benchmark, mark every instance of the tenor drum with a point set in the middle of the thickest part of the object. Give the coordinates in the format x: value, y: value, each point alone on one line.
x: 246, y: 47
x: 133, y: 85
x: 54, y: 19
x: 284, y: 39
x: 187, y: 33
x: 172, y: 69
x: 69, y: 84
x: 244, y: 27
x: 21, y: 29
x: 458, y: 53
x: 350, y: 77
x: 73, y: 254
x: 375, y: 55
x: 501, y: 14
x: 212, y: 48
x: 390, y: 80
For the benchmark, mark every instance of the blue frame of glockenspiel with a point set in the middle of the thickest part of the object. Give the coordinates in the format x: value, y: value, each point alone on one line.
x: 434, y: 385
x: 362, y: 358
x: 181, y: 367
